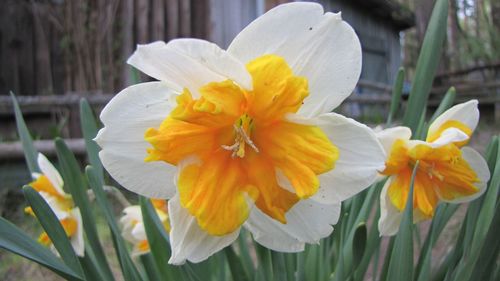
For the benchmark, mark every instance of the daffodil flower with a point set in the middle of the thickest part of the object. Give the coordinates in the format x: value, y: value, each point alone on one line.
x: 49, y: 185
x: 245, y: 136
x: 133, y: 226
x: 447, y: 171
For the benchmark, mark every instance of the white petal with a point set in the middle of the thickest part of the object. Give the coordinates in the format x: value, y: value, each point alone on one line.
x: 214, y: 58
x: 77, y: 240
x: 126, y: 118
x: 132, y: 213
x: 139, y: 232
x: 188, y: 63
x: 283, y: 182
x: 361, y: 158
x: 188, y: 240
x: 318, y: 46
x: 51, y: 173
x: 390, y: 216
x: 307, y: 222
x: 54, y: 204
x: 478, y: 165
x: 448, y: 136
x: 466, y: 113
x: 387, y: 137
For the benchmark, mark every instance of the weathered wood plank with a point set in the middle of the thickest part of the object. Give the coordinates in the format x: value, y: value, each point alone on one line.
x: 14, y: 150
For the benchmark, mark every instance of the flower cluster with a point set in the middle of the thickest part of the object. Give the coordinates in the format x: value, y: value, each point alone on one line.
x: 49, y: 185
x: 246, y: 137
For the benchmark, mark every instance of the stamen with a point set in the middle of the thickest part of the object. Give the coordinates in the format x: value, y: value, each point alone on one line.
x: 246, y: 138
x: 238, y: 148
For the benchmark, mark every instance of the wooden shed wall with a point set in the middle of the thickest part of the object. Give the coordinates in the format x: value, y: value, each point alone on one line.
x: 54, y: 47
x: 379, y: 39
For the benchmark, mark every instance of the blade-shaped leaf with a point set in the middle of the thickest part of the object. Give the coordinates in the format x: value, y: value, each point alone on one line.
x: 359, y: 244
x: 401, y: 264
x: 235, y: 265
x: 130, y: 272
x: 73, y: 180
x: 427, y: 64
x: 445, y: 103
x: 482, y: 224
x: 397, y: 90
x: 30, y: 153
x: 17, y: 241
x: 53, y: 228
x: 158, y: 241
x: 89, y: 131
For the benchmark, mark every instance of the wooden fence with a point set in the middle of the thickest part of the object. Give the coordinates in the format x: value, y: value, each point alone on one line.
x: 52, y: 47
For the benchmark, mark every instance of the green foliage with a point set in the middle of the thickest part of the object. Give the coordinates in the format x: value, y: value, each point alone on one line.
x: 18, y: 242
x: 397, y: 90
x: 427, y: 65
x: 53, y: 228
x: 30, y: 153
x: 401, y: 262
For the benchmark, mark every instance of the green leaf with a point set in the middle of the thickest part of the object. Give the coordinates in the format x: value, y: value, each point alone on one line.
x: 491, y: 152
x: 442, y: 215
x: 372, y: 245
x: 340, y: 272
x: 244, y: 253
x: 53, y: 228
x: 18, y: 242
x: 91, y: 267
x: 158, y: 240
x: 445, y: 103
x: 279, y: 266
x: 359, y: 244
x: 401, y: 264
x: 150, y: 267
x: 421, y: 132
x: 235, y: 265
x: 264, y: 262
x: 360, y: 210
x: 487, y: 258
x: 427, y: 64
x: 130, y: 272
x: 482, y: 224
x: 73, y: 180
x: 30, y: 153
x: 89, y: 131
x: 387, y: 259
x: 397, y: 90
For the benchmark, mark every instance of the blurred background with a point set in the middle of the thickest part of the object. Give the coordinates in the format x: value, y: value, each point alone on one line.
x: 54, y: 52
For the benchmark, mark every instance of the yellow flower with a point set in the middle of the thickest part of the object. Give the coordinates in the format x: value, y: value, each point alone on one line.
x: 446, y: 172
x: 133, y: 226
x: 245, y: 137
x: 49, y: 185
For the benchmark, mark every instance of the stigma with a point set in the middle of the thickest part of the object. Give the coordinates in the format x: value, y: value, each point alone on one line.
x: 242, y: 130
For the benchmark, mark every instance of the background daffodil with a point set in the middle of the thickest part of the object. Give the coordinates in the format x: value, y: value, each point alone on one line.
x: 133, y: 226
x: 49, y: 185
x: 245, y: 137
x: 447, y: 171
